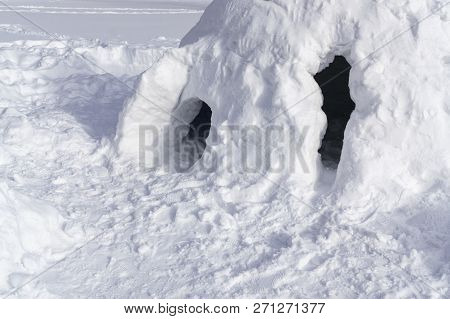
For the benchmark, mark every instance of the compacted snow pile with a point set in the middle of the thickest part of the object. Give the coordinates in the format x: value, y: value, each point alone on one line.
x: 94, y: 206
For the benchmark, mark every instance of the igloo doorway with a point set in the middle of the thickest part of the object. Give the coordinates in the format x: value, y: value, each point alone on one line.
x: 192, y: 128
x: 338, y: 106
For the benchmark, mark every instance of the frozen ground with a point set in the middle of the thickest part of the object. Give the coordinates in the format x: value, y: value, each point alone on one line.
x: 107, y: 230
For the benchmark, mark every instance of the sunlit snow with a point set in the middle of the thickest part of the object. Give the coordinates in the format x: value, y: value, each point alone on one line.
x: 80, y: 218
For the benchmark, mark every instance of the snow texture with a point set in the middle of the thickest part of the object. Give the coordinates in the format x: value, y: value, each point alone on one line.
x: 72, y: 197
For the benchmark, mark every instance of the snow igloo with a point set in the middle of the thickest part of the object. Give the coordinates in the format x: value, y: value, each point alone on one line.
x: 256, y: 63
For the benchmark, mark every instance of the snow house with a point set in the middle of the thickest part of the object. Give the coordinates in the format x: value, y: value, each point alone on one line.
x: 270, y: 63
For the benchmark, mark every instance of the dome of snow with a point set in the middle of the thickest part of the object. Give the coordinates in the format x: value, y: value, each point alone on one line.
x: 253, y: 63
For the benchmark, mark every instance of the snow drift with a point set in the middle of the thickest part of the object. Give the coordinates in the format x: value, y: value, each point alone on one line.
x: 253, y: 63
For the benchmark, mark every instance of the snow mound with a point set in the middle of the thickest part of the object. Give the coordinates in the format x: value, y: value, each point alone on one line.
x: 253, y: 63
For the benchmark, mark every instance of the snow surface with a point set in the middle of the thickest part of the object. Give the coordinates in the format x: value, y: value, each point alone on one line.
x: 77, y: 212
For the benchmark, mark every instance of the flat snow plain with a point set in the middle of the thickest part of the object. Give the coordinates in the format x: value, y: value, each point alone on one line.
x: 135, y: 21
x: 75, y: 223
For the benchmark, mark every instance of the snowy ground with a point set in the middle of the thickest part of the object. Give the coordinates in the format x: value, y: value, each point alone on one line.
x: 75, y: 222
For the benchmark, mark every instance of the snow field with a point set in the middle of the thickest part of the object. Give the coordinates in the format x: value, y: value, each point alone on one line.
x: 70, y: 195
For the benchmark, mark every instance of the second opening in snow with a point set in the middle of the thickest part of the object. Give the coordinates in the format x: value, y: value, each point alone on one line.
x: 193, y: 128
x: 338, y: 106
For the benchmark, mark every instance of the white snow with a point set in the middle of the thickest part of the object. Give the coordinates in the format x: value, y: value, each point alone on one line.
x: 72, y: 197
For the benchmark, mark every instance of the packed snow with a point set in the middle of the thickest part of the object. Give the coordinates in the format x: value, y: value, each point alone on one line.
x: 79, y: 217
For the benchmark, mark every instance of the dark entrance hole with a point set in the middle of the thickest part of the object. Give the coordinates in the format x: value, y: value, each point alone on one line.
x: 200, y: 126
x: 192, y: 133
x: 338, y: 106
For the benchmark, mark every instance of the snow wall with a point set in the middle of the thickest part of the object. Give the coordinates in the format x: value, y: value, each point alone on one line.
x: 253, y: 63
